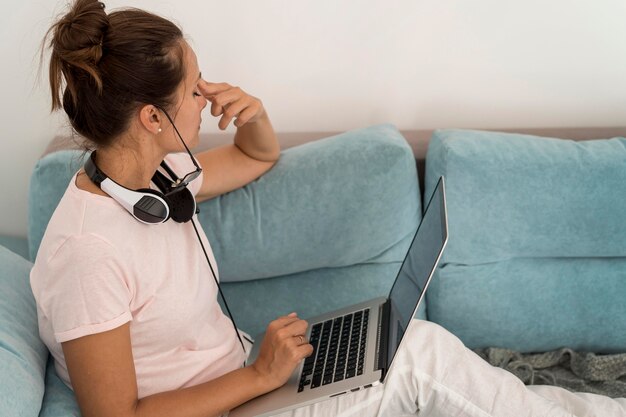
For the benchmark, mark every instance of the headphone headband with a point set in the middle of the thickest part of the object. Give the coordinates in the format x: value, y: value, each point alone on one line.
x: 92, y: 170
x: 146, y: 205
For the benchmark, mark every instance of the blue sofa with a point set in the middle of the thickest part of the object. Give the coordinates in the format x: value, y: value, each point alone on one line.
x: 535, y: 259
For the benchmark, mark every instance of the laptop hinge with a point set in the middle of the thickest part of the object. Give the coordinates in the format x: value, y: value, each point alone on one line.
x: 383, y: 337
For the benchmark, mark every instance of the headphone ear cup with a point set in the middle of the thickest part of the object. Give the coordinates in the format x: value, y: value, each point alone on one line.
x: 182, y: 204
x: 147, y: 204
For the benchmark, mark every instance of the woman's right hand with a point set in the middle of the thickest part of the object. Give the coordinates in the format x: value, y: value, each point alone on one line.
x: 282, y: 349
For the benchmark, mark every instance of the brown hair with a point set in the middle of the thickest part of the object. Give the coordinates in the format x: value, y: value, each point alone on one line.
x: 104, y: 67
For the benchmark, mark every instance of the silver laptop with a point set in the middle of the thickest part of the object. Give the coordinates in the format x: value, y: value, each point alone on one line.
x: 354, y: 347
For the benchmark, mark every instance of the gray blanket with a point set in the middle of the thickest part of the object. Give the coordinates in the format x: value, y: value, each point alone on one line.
x: 575, y: 371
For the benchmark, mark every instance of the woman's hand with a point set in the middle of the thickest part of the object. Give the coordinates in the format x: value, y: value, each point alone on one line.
x: 282, y: 349
x: 229, y: 102
x: 255, y: 148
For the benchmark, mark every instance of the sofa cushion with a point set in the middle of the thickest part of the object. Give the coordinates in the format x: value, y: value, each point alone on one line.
x: 345, y: 200
x: 22, y: 354
x: 535, y: 304
x: 524, y: 196
x: 537, y: 248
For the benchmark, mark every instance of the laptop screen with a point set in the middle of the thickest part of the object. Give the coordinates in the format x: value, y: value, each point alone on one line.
x: 416, y: 270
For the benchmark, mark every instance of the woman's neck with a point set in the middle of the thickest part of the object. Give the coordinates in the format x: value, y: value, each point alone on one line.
x: 131, y: 160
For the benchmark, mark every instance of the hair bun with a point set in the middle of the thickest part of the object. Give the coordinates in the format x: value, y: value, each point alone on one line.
x: 78, y: 38
x: 103, y: 67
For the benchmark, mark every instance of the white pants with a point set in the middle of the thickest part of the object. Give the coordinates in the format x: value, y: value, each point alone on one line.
x: 435, y: 375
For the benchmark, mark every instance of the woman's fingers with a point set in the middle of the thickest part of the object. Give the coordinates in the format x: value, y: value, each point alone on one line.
x: 231, y: 103
x: 281, y: 322
x: 246, y: 115
x: 297, y: 328
x: 293, y: 337
x: 224, y: 99
x: 209, y: 90
x: 289, y: 330
x: 232, y: 110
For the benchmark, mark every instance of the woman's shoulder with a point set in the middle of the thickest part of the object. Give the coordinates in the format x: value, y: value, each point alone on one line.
x: 63, y: 258
x: 74, y: 247
x: 75, y: 221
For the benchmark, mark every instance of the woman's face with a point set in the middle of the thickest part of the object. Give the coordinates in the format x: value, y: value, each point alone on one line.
x: 186, y: 113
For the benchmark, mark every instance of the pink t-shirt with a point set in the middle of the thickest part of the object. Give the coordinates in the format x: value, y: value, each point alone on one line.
x: 98, y: 268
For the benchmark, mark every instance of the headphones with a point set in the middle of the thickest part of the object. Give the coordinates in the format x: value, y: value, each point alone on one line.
x: 145, y: 204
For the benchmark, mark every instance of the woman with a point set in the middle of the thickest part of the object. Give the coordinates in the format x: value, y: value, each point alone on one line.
x: 125, y: 308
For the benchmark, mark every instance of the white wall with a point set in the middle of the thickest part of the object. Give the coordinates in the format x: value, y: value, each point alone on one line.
x: 337, y: 65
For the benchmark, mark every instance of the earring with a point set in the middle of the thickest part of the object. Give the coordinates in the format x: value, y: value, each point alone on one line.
x: 159, y: 130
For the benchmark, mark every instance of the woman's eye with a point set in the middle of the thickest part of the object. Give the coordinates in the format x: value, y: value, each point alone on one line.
x: 196, y: 94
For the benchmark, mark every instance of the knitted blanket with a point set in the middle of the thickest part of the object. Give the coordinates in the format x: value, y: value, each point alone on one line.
x: 575, y: 371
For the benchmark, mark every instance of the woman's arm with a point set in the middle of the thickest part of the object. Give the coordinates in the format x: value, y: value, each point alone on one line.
x: 254, y: 151
x: 102, y: 373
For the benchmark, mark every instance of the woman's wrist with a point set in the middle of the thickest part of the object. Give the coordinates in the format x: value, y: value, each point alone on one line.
x: 262, y: 380
x: 258, y: 140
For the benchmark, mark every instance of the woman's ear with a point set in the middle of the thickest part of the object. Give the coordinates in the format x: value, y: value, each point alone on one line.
x: 150, y: 118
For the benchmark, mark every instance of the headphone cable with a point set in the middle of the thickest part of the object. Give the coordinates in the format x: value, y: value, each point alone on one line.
x: 232, y: 319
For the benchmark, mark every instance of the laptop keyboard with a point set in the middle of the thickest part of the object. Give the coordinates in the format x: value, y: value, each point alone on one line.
x: 338, y: 350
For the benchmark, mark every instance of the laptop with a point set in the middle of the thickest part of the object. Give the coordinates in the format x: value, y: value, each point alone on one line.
x: 354, y: 347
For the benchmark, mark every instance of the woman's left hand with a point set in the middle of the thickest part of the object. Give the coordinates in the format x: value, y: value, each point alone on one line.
x: 231, y: 102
